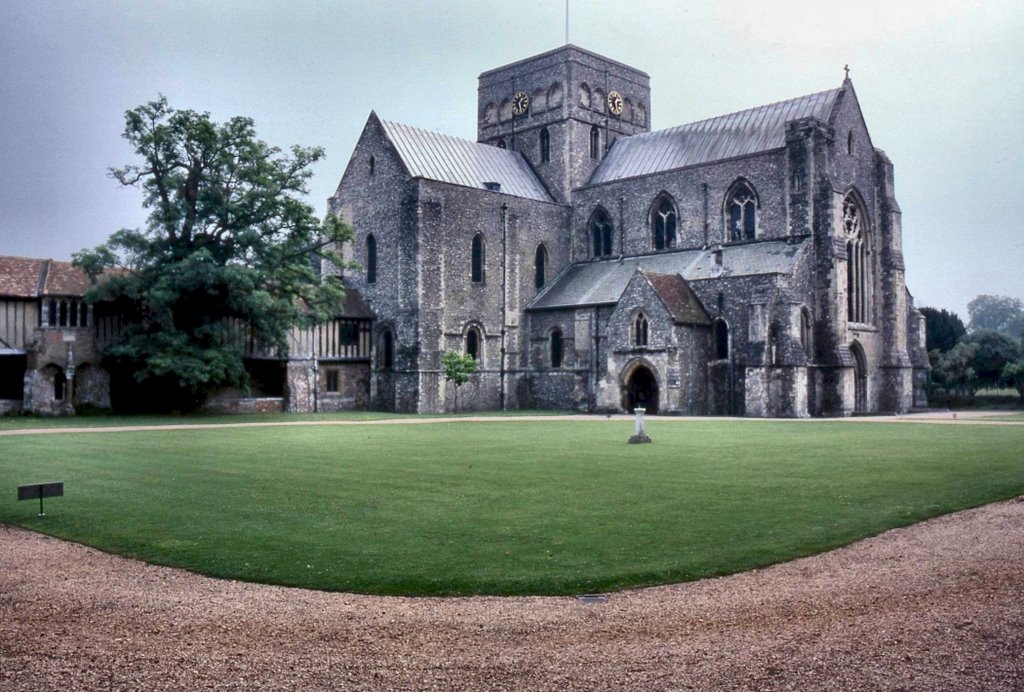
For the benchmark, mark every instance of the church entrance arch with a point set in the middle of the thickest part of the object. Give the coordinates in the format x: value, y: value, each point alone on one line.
x: 860, y: 379
x: 640, y: 388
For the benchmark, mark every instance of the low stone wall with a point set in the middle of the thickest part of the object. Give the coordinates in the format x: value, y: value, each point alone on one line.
x: 245, y: 405
x: 9, y: 406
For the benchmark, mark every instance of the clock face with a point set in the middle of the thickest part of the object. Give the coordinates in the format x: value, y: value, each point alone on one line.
x: 520, y: 102
x: 615, y: 102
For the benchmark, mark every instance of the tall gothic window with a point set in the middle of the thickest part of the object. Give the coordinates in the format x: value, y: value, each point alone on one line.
x: 371, y: 259
x: 640, y: 330
x: 858, y: 253
x: 805, y: 333
x: 595, y: 142
x: 477, y: 269
x: 601, y: 233
x: 540, y: 266
x: 555, y: 347
x: 473, y: 343
x: 741, y: 211
x: 545, y: 145
x: 663, y: 222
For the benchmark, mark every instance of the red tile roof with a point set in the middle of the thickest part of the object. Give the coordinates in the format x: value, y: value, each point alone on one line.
x: 679, y: 298
x: 28, y: 277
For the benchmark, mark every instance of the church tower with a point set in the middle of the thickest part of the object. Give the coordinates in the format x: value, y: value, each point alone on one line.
x: 562, y: 110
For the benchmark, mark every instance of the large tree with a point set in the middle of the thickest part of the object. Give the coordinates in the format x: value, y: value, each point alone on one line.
x: 999, y: 313
x: 227, y: 254
x: 942, y: 329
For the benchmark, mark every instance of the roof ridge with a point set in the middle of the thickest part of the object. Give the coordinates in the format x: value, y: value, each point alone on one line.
x: 734, y: 113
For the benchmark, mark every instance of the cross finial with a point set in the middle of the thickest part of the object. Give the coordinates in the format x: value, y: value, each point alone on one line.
x: 846, y: 68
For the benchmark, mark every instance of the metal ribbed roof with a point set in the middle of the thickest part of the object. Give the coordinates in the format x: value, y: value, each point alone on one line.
x: 457, y: 161
x: 724, y: 137
x: 602, y: 283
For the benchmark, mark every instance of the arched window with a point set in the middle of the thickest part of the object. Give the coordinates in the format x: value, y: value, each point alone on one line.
x: 555, y: 348
x: 849, y: 142
x: 540, y: 266
x: 387, y: 347
x: 741, y: 211
x: 473, y: 343
x: 595, y: 142
x: 601, y: 232
x: 858, y: 282
x: 545, y: 145
x: 502, y: 144
x: 640, y: 330
x: 371, y: 259
x: 477, y: 270
x: 721, y: 334
x: 373, y: 165
x: 805, y: 333
x: 663, y: 222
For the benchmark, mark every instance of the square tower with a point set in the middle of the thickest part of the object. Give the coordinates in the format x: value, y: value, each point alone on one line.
x: 562, y: 110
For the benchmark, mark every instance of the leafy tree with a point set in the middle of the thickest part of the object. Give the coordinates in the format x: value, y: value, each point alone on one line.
x: 995, y: 350
x: 1013, y: 376
x: 954, y: 369
x: 226, y: 255
x: 999, y: 313
x: 457, y: 369
x: 942, y: 329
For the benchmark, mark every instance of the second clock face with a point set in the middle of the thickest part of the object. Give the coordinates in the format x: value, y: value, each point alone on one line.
x: 520, y: 103
x: 615, y: 102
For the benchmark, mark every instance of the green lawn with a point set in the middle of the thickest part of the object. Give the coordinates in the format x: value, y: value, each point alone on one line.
x: 501, y: 507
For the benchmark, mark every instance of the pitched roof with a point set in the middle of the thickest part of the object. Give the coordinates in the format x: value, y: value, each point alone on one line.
x: 602, y: 283
x: 29, y: 277
x: 448, y: 159
x: 726, y: 136
x: 678, y: 298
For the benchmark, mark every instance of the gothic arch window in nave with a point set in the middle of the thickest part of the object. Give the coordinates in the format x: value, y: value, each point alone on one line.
x: 540, y: 266
x: 640, y: 330
x: 663, y: 222
x: 741, y: 212
x: 601, y: 233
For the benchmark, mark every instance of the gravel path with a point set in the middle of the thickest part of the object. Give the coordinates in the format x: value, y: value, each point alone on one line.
x: 936, y: 606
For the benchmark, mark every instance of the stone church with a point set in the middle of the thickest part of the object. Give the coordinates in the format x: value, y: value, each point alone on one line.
x: 747, y: 264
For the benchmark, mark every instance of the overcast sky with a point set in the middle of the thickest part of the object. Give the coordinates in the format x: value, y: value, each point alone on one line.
x: 939, y: 82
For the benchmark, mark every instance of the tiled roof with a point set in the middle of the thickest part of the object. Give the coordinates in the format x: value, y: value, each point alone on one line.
x: 461, y: 162
x: 679, y: 298
x: 724, y: 137
x: 27, y: 277
x: 602, y: 283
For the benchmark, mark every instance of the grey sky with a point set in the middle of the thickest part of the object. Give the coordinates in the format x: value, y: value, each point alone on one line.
x: 939, y: 83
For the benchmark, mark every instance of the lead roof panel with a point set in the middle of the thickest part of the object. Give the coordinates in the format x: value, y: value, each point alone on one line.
x: 448, y: 159
x: 724, y: 137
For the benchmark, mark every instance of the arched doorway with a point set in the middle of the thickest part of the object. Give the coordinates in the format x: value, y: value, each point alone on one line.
x: 860, y: 379
x: 641, y: 390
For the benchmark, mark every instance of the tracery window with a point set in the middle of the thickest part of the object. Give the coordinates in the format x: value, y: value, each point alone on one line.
x: 858, y: 253
x: 640, y: 330
x: 473, y: 343
x: 555, y: 348
x: 477, y: 262
x: 371, y: 259
x: 601, y: 233
x: 545, y: 145
x: 540, y: 265
x: 741, y: 212
x: 663, y: 222
x: 595, y: 142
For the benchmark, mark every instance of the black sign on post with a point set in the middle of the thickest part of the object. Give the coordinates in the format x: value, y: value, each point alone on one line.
x: 41, y: 490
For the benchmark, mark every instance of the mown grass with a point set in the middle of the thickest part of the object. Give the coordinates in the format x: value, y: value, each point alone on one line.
x: 521, y: 507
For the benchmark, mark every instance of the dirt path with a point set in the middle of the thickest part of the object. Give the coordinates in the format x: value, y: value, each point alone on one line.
x: 940, y: 418
x: 936, y: 606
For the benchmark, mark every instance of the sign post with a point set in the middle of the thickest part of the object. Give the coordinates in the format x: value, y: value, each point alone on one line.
x: 41, y: 490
